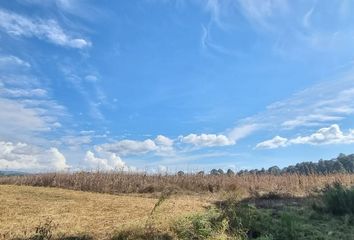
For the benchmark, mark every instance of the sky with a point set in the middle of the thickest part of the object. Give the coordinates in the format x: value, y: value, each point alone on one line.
x: 167, y: 85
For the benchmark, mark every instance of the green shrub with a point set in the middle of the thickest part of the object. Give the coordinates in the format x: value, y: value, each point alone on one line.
x: 336, y: 199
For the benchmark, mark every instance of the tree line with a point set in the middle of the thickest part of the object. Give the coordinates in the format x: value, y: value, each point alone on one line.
x: 342, y: 164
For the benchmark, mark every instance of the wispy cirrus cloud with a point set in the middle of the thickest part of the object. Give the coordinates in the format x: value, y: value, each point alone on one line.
x: 88, y: 87
x: 273, y: 143
x: 8, y: 61
x: 325, y: 103
x: 77, y: 8
x: 17, y: 25
x: 26, y: 109
x: 261, y: 13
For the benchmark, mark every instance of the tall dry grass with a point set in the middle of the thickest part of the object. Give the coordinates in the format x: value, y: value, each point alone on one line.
x: 123, y: 182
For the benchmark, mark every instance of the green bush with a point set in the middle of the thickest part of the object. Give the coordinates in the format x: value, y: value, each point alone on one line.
x: 336, y: 199
x: 198, y: 226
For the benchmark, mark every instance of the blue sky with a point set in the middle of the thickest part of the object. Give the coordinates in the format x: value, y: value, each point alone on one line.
x: 174, y: 84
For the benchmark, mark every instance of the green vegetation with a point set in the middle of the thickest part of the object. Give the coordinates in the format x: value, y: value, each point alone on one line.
x: 290, y: 218
x: 342, y: 164
x: 327, y: 215
x: 336, y: 200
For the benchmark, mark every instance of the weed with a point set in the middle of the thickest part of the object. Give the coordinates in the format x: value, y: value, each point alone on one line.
x: 44, y: 231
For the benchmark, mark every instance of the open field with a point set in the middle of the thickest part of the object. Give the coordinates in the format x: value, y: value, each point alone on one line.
x: 122, y: 182
x: 23, y: 208
x: 117, y: 206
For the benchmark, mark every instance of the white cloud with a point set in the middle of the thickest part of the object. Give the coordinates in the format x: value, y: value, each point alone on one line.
x: 213, y: 6
x: 321, y: 105
x: 206, y: 140
x: 76, y: 141
x: 162, y: 140
x: 164, y: 146
x: 83, y: 9
x: 49, y: 30
x: 8, y: 61
x: 23, y: 120
x: 26, y: 110
x: 324, y: 136
x: 21, y: 156
x: 276, y: 142
x: 329, y: 135
x: 259, y: 12
x: 128, y: 147
x: 109, y: 154
x: 242, y: 131
x: 15, y: 115
x: 89, y: 90
x: 307, y: 17
x: 20, y: 93
x: 162, y: 169
x: 310, y: 120
x: 107, y: 161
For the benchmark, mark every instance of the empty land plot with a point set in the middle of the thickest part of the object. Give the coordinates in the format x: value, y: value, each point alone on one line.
x: 23, y: 208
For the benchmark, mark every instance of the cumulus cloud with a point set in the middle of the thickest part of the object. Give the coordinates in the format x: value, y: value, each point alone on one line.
x: 324, y: 136
x: 329, y: 135
x: 206, y: 140
x: 133, y: 147
x: 49, y: 30
x: 108, y: 156
x: 162, y: 140
x: 164, y: 145
x: 22, y: 156
x: 105, y: 161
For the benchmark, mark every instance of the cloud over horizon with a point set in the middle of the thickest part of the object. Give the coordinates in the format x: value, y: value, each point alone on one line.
x: 22, y: 156
x: 323, y: 136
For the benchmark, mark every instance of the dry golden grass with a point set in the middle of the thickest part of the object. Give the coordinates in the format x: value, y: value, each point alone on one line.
x: 109, y: 202
x: 22, y: 208
x: 120, y: 182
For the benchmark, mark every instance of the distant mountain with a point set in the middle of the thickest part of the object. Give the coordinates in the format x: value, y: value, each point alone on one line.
x: 12, y: 173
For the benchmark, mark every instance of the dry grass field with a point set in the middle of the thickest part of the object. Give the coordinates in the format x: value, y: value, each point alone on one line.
x: 102, y: 204
x: 23, y: 208
x: 122, y: 182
